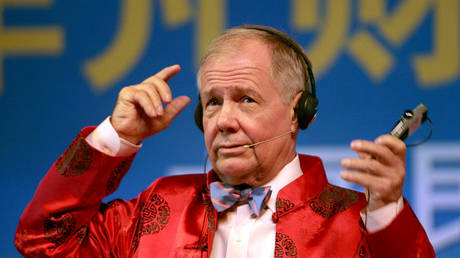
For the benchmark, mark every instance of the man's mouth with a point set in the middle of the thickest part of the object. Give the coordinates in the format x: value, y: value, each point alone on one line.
x: 231, y: 146
x: 231, y: 149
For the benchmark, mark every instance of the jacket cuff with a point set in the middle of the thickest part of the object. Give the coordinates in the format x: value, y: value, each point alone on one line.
x: 403, y: 237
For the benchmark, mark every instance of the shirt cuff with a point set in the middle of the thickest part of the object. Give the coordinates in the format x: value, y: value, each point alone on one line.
x: 105, y: 139
x: 380, y: 218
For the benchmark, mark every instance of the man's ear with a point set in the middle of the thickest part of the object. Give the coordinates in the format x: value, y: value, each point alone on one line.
x: 294, y: 117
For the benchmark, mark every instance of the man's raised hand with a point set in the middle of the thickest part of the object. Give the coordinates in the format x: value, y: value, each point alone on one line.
x: 380, y: 168
x: 139, y: 111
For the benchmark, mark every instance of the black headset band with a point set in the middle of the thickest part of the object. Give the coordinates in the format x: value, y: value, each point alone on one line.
x: 296, y: 47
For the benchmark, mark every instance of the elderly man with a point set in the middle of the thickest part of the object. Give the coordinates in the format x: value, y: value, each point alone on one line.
x: 261, y: 199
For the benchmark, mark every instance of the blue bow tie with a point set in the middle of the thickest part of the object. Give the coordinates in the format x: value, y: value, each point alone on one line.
x: 224, y: 196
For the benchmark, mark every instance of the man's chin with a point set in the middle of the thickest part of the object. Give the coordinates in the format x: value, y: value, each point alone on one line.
x: 234, y: 171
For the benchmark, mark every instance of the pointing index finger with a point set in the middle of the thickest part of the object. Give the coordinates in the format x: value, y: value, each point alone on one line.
x: 160, y: 79
x: 166, y: 74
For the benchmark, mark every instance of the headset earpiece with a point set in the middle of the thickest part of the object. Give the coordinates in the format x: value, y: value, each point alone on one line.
x: 307, y: 108
x: 199, y: 115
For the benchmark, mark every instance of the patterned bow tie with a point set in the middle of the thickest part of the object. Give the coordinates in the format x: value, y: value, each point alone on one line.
x: 224, y: 196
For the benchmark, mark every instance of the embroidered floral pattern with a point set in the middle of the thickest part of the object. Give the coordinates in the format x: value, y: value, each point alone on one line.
x: 284, y: 246
x: 58, y: 227
x: 210, y: 216
x: 76, y: 159
x: 363, y: 252
x: 116, y: 175
x: 283, y: 205
x: 155, y: 216
x: 137, y: 234
x: 81, y: 233
x: 201, y: 244
x: 332, y: 200
x: 112, y: 204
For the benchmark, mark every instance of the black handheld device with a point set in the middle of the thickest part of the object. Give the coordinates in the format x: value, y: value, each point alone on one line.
x: 410, y: 121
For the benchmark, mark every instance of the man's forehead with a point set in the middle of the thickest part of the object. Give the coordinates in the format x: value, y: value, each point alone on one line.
x: 235, y: 75
x: 238, y: 49
x: 230, y: 63
x: 248, y: 61
x: 248, y: 56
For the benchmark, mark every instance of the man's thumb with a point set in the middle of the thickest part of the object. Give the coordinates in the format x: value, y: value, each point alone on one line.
x: 175, y: 107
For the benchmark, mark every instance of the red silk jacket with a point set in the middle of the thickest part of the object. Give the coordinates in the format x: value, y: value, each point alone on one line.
x: 174, y: 218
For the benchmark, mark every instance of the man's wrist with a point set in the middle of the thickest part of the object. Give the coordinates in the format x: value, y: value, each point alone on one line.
x: 105, y: 139
x: 382, y: 217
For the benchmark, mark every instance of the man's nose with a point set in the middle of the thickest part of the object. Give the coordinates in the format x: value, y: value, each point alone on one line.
x: 227, y: 120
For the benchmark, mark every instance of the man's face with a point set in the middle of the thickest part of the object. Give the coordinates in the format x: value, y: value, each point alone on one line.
x: 241, y: 105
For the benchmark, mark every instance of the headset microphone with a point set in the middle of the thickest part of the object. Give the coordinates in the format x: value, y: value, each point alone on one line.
x: 269, y: 140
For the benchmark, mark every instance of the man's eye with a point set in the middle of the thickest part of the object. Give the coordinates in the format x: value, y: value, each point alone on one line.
x: 213, y: 102
x: 247, y: 99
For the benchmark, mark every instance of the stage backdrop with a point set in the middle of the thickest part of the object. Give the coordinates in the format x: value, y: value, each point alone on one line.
x: 64, y: 62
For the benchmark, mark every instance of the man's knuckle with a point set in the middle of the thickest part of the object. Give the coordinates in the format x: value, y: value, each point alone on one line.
x: 124, y: 91
x: 373, y: 165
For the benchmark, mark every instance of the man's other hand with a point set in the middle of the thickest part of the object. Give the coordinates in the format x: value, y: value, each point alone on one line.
x: 139, y: 111
x: 380, y: 168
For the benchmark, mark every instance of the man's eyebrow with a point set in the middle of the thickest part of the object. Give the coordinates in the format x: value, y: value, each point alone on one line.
x: 237, y: 89
x: 209, y: 91
x: 252, y: 92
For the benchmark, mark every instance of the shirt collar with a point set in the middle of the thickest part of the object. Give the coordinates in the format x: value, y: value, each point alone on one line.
x: 289, y: 173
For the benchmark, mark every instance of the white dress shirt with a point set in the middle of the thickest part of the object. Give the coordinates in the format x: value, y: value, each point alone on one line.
x: 236, y: 229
